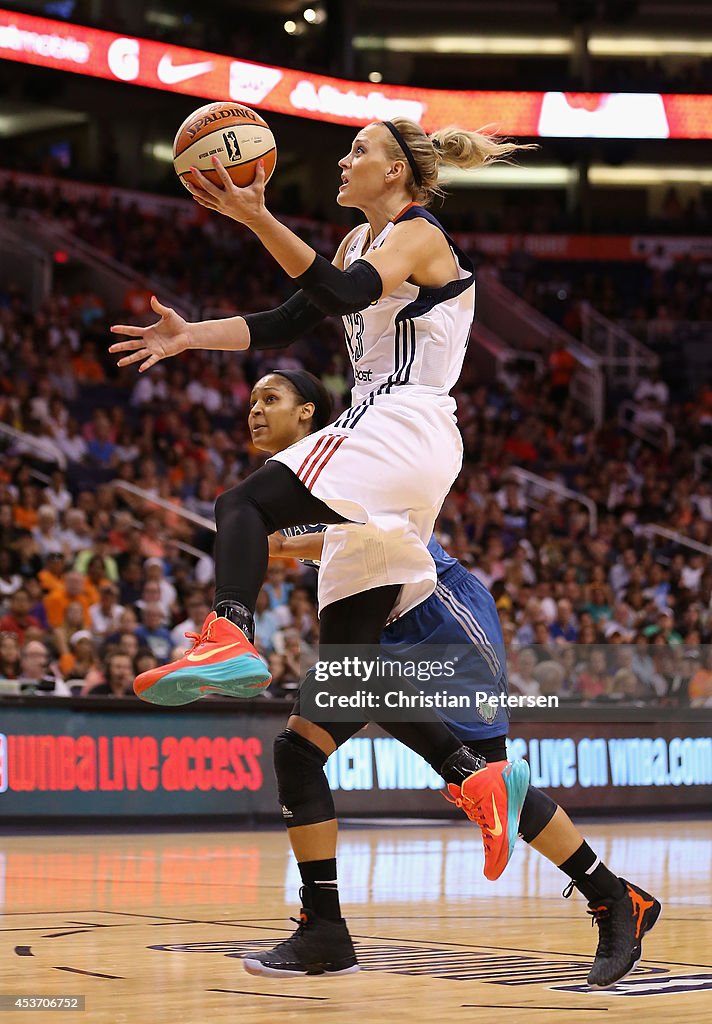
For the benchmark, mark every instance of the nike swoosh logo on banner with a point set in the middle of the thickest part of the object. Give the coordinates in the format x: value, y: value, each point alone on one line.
x: 210, y: 654
x: 497, y: 830
x: 171, y: 75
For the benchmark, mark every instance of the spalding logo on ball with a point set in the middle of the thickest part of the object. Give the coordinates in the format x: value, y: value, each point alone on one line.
x: 236, y: 135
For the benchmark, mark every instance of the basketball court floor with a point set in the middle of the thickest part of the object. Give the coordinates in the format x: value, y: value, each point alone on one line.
x: 149, y: 928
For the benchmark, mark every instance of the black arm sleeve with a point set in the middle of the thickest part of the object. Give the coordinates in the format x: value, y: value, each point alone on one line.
x: 335, y: 291
x: 277, y: 328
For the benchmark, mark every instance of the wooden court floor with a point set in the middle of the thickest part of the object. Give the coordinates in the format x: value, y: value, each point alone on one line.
x: 149, y: 928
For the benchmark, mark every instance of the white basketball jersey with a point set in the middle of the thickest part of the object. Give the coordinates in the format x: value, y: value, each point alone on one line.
x: 415, y: 336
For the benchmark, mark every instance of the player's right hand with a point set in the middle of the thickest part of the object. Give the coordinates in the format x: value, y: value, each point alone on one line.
x: 168, y: 337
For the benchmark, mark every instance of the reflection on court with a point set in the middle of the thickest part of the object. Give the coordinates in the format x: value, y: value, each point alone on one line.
x: 150, y: 927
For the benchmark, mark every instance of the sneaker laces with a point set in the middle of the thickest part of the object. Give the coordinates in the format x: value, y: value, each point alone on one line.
x: 606, y: 930
x: 475, y: 813
x: 197, y: 638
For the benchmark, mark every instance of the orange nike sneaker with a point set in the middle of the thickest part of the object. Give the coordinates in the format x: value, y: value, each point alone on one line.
x: 221, y: 660
x: 493, y: 797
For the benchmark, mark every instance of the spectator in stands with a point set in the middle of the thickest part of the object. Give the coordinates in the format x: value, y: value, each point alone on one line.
x: 652, y: 386
x: 37, y: 675
x: 9, y: 656
x: 592, y: 677
x: 52, y: 576
x: 77, y: 534
x: 700, y: 686
x: 523, y: 680
x: 86, y: 367
x: 197, y: 608
x: 10, y: 579
x: 285, y: 681
x: 151, y: 595
x: 298, y: 655
x: 97, y: 561
x: 145, y: 660
x: 531, y: 613
x: 47, y: 534
x: 57, y: 494
x: 679, y: 685
x: 268, y: 621
x: 8, y: 530
x: 105, y: 615
x: 82, y: 657
x: 101, y: 449
x: 73, y: 588
x: 277, y: 587
x: 37, y: 608
x: 18, y: 619
x: 153, y: 634
x: 564, y: 629
x: 154, y: 572
x: 115, y: 680
x: 550, y: 676
x: 26, y: 509
x: 127, y: 643
x: 61, y: 635
x: 70, y: 441
x: 28, y: 561
x: 152, y: 544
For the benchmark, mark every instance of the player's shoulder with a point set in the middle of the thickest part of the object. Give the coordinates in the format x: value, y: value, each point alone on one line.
x: 417, y: 226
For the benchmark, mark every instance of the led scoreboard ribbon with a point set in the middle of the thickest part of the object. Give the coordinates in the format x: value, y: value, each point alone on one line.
x: 211, y: 76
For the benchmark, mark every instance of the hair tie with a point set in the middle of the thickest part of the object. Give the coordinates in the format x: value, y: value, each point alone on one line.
x: 437, y: 144
x: 405, y: 148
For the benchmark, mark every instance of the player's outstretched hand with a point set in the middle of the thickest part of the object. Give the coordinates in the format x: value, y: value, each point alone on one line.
x: 148, y: 345
x: 243, y: 204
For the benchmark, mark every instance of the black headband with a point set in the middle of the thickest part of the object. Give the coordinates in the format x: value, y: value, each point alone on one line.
x: 310, y: 391
x: 417, y: 176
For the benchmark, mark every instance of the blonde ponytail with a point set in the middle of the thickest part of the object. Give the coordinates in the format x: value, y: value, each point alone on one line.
x: 451, y: 146
x: 471, y: 149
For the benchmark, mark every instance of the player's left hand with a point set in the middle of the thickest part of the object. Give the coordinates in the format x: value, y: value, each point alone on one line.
x: 244, y: 205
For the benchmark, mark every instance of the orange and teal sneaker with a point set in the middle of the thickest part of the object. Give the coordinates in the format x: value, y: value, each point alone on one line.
x: 493, y: 797
x: 221, y: 660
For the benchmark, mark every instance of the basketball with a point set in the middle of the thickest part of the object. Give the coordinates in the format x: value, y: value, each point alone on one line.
x: 235, y: 134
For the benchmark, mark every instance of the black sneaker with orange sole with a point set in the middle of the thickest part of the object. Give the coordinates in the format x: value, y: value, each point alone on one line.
x: 622, y: 923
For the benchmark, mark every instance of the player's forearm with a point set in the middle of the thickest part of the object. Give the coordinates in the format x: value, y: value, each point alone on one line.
x: 229, y: 335
x: 308, y: 545
x: 293, y: 254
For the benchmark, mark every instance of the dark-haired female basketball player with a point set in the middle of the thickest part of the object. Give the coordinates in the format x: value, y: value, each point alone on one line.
x: 284, y: 407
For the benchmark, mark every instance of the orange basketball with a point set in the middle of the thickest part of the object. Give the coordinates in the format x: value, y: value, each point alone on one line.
x: 235, y: 134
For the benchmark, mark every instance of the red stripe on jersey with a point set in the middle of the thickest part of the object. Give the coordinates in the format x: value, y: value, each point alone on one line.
x: 314, y: 453
x: 313, y: 466
x: 322, y: 465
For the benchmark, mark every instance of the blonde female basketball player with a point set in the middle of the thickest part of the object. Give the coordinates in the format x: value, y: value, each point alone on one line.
x: 380, y: 473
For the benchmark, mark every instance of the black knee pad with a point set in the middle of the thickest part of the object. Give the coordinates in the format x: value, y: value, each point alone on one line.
x: 229, y: 500
x: 537, y: 812
x: 302, y: 786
